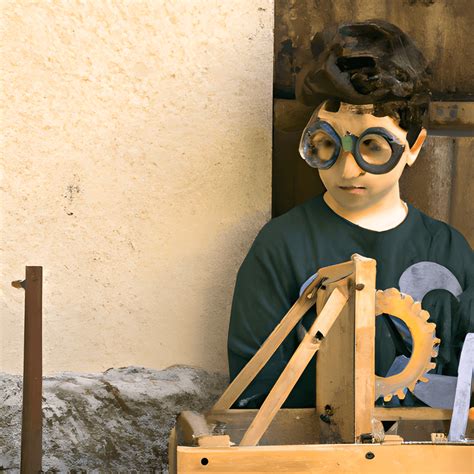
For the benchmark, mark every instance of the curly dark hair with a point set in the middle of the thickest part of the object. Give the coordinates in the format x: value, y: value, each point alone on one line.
x: 369, y: 62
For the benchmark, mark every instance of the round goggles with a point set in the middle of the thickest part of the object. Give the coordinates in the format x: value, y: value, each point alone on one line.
x: 376, y: 150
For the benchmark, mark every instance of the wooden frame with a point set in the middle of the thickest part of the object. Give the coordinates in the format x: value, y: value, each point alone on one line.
x: 333, y: 436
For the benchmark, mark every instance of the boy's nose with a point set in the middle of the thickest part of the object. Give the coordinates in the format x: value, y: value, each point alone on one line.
x: 350, y: 168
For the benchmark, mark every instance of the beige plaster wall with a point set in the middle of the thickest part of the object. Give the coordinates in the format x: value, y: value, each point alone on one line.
x: 136, y: 168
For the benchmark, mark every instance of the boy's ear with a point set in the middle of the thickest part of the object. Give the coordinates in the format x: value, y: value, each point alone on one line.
x: 416, y: 147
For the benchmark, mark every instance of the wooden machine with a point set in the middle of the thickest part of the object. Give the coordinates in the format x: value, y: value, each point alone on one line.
x: 344, y: 433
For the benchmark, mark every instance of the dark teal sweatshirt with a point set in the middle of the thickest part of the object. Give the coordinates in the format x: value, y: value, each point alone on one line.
x: 430, y: 258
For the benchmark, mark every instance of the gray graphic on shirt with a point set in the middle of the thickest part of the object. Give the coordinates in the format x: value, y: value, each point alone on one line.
x: 418, y: 280
x: 422, y: 277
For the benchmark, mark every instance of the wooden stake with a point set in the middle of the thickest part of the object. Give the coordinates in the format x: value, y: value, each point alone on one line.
x: 31, y: 431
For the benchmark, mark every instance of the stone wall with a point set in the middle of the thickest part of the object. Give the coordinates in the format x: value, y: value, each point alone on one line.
x: 117, y: 421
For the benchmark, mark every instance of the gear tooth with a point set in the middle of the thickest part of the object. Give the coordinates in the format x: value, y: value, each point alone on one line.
x: 434, y: 353
x: 424, y: 315
x: 391, y: 292
x: 387, y: 398
x: 436, y: 341
x: 430, y: 327
x: 411, y: 387
x: 431, y: 366
x: 423, y: 379
x: 417, y: 307
x: 409, y: 301
x: 400, y: 394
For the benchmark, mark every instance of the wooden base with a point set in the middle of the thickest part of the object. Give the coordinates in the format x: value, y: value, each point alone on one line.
x: 349, y: 458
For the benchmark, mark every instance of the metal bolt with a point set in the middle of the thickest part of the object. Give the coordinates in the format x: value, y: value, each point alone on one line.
x: 359, y: 286
x: 325, y: 418
x: 369, y: 455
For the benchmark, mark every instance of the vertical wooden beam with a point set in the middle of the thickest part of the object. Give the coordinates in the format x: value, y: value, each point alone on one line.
x: 31, y: 431
x: 364, y: 357
x: 335, y: 376
x: 345, y: 377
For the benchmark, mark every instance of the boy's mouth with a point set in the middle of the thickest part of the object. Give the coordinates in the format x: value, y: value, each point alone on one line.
x: 353, y: 189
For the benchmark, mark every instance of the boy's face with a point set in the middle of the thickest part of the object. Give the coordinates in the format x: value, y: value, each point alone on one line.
x: 349, y: 185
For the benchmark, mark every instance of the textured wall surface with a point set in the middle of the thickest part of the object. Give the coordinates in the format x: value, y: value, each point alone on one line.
x: 136, y: 168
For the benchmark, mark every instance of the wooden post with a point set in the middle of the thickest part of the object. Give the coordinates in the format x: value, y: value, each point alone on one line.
x: 335, y: 377
x: 364, y: 354
x: 31, y: 431
x: 345, y: 379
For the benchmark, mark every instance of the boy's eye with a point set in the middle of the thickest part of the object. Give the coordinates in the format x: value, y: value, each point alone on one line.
x: 375, y: 149
x: 322, y: 145
x: 372, y: 145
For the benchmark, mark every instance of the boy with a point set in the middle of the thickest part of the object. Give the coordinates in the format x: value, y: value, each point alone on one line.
x: 370, y: 84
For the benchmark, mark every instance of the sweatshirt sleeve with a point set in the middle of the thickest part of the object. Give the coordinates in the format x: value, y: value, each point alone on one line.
x: 464, y: 321
x: 261, y: 298
x: 454, y: 316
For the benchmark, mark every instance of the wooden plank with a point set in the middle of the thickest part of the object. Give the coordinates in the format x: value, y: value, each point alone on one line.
x: 302, y: 425
x: 416, y: 430
x: 298, y: 362
x: 335, y: 378
x: 366, y: 458
x: 214, y: 441
x: 172, y: 452
x: 364, y: 357
x: 190, y: 425
x: 451, y: 115
x: 462, y: 203
x: 278, y: 335
x: 415, y: 413
x: 290, y: 425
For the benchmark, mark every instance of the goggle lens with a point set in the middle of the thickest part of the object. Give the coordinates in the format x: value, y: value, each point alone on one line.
x: 375, y: 149
x: 322, y: 146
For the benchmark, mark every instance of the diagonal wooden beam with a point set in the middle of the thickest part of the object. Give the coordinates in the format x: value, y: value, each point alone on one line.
x: 298, y: 362
x: 278, y: 335
x: 268, y: 348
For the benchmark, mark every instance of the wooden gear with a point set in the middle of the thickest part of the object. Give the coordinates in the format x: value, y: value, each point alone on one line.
x: 344, y: 433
